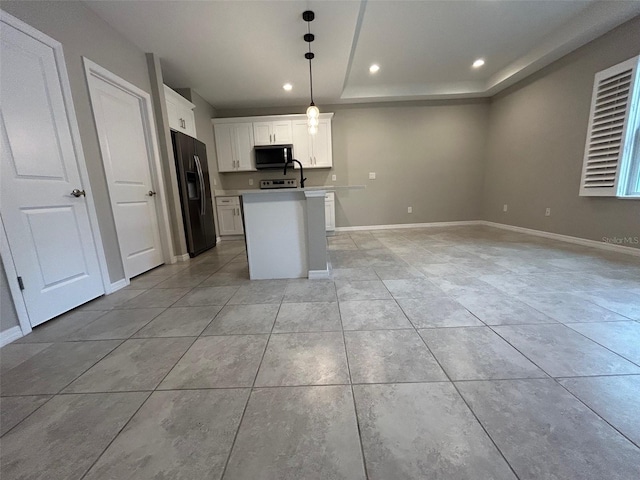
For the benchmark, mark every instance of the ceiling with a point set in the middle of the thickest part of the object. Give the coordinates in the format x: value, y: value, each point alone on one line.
x: 238, y: 54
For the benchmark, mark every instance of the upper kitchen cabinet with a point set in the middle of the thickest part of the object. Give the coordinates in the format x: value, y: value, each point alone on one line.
x: 180, y: 111
x: 313, y: 151
x: 234, y: 146
x: 275, y: 132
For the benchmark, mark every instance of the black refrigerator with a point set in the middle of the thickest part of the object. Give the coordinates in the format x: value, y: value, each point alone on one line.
x: 195, y: 192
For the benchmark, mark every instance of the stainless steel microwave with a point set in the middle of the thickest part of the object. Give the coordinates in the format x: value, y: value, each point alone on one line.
x: 273, y: 156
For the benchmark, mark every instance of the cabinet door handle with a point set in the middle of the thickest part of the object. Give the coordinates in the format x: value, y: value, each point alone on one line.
x: 315, y: 160
x: 274, y: 138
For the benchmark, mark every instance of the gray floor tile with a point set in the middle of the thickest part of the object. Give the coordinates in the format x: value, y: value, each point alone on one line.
x: 226, y: 280
x: 299, y: 291
x: 362, y: 290
x: 217, y: 362
x: 244, y: 319
x: 544, y: 432
x: 14, y: 354
x: 384, y: 356
x: 63, y: 438
x: 207, y: 296
x: 397, y: 272
x: 437, y: 311
x: 621, y: 337
x: 615, y: 398
x: 625, y: 303
x: 372, y: 315
x: 476, y: 353
x: 304, y: 359
x: 137, y: 364
x: 116, y: 324
x: 180, y: 322
x: 350, y: 274
x: 298, y: 433
x: 567, y: 308
x: 502, y: 309
x: 424, y: 430
x: 308, y: 317
x: 54, y: 368
x: 412, y: 288
x: 15, y: 409
x: 60, y: 328
x: 144, y: 282
x: 184, y: 280
x: 156, y: 298
x: 262, y: 291
x: 562, y: 352
x: 113, y: 300
x: 177, y: 434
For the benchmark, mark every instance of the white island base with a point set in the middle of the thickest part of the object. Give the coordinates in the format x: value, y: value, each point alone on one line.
x: 285, y: 233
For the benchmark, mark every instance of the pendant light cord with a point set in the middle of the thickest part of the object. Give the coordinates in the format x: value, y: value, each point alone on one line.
x: 310, y: 58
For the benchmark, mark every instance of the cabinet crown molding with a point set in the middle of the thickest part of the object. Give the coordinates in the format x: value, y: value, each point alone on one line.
x: 267, y: 118
x: 175, y: 97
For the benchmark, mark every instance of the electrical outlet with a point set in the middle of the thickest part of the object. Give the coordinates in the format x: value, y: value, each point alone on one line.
x: 505, y: 207
x: 251, y: 181
x: 547, y: 212
x: 372, y: 175
x: 409, y: 209
x: 334, y: 178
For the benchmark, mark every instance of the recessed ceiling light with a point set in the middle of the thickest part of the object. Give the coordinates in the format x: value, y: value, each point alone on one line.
x: 287, y: 86
x: 374, y: 68
x: 478, y: 63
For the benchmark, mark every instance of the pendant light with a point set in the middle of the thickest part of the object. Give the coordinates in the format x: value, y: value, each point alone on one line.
x: 312, y: 112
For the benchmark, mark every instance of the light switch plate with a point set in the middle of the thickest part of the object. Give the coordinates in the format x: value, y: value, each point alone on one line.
x: 251, y: 181
x: 334, y: 178
x: 505, y: 207
x: 372, y: 175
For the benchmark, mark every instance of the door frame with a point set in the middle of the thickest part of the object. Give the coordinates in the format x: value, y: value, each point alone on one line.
x: 5, y: 250
x: 94, y: 73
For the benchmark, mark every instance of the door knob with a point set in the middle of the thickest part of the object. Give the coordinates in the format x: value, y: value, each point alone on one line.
x: 151, y: 193
x: 78, y: 193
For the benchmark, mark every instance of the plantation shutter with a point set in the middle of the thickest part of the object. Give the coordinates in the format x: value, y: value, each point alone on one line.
x: 603, y: 170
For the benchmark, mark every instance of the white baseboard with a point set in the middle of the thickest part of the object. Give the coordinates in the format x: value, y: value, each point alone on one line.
x: 9, y: 335
x: 115, y: 286
x: 181, y: 258
x: 319, y: 274
x: 540, y: 233
x: 229, y: 237
x: 566, y: 238
x: 409, y: 225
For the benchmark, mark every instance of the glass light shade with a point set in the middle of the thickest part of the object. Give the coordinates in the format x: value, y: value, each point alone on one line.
x: 313, y: 111
x: 313, y: 129
x: 313, y: 122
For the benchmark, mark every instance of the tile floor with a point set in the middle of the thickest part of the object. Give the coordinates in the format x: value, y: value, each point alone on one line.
x: 449, y: 353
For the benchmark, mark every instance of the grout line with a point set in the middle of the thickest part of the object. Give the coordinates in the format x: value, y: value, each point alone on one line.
x: 460, y: 395
x: 246, y: 405
x: 353, y: 395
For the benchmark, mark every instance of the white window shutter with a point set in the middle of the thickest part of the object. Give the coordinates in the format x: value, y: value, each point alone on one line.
x: 613, y: 96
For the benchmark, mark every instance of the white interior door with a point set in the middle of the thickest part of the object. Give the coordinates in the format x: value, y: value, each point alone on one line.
x: 48, y: 230
x: 122, y: 128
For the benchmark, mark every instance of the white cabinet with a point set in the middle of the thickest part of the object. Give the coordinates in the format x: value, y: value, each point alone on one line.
x: 330, y: 211
x: 313, y: 151
x: 180, y: 112
x: 234, y: 146
x: 276, y: 132
x: 229, y: 216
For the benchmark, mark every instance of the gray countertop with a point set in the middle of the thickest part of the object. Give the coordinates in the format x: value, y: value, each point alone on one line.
x: 328, y: 188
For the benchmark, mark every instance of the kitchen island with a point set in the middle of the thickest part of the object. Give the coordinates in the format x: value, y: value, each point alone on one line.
x: 285, y: 233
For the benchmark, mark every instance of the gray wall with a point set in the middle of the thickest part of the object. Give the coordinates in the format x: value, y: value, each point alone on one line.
x: 83, y: 33
x: 427, y: 155
x: 8, y: 316
x: 536, y: 142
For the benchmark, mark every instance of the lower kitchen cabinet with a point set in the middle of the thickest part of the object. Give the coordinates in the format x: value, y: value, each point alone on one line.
x: 229, y: 216
x: 330, y: 211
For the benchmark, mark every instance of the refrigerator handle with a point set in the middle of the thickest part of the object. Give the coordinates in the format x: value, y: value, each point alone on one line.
x: 202, y: 190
